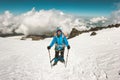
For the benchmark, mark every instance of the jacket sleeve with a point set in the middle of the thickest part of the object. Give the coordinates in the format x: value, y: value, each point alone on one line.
x: 66, y: 41
x: 53, y: 42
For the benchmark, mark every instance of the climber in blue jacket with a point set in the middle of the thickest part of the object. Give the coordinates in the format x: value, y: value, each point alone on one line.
x: 60, y: 42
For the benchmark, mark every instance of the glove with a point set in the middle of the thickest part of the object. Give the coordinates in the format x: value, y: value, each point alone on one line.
x: 48, y: 47
x: 68, y: 47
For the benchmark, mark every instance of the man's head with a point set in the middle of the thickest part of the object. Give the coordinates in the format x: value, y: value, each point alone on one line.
x: 59, y: 31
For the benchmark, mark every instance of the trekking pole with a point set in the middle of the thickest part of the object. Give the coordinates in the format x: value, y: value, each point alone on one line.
x: 66, y: 58
x: 50, y: 58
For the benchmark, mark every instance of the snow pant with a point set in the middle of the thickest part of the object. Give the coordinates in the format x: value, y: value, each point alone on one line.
x: 61, y: 54
x: 59, y: 57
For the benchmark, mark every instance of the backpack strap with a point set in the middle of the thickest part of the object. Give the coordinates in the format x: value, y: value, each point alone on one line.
x: 62, y: 37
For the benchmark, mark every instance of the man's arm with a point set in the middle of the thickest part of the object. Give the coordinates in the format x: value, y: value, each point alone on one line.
x: 66, y: 41
x: 53, y: 42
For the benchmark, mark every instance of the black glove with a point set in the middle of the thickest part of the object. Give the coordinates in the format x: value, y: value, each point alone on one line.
x: 68, y: 47
x: 48, y: 47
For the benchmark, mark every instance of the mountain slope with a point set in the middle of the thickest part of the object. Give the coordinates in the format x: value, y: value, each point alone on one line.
x: 90, y: 58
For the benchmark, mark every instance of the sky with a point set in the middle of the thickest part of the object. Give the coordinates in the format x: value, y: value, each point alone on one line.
x: 75, y: 7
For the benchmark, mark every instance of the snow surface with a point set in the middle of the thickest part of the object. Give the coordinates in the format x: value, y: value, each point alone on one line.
x: 90, y: 58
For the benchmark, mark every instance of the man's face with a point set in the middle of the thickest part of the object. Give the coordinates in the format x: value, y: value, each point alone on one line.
x: 59, y: 33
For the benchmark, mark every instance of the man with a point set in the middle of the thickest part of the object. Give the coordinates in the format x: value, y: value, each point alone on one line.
x: 60, y: 41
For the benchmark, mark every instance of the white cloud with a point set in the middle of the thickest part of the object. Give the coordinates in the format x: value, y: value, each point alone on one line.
x: 40, y: 22
x: 35, y: 22
x: 115, y: 17
x: 98, y: 19
x: 98, y: 22
x: 6, y: 22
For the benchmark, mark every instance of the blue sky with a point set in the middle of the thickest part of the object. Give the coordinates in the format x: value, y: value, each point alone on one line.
x: 75, y: 7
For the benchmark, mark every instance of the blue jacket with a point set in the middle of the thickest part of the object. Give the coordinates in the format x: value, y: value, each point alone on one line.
x: 59, y: 40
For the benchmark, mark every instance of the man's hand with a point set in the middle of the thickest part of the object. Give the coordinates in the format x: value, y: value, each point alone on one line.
x: 48, y: 47
x: 68, y: 47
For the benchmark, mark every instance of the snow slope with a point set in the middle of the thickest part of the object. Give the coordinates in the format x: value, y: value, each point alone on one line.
x: 90, y: 58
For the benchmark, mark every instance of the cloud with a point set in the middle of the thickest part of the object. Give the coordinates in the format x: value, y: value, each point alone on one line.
x: 40, y: 22
x: 115, y: 17
x: 35, y: 22
x: 98, y: 21
x: 6, y: 22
